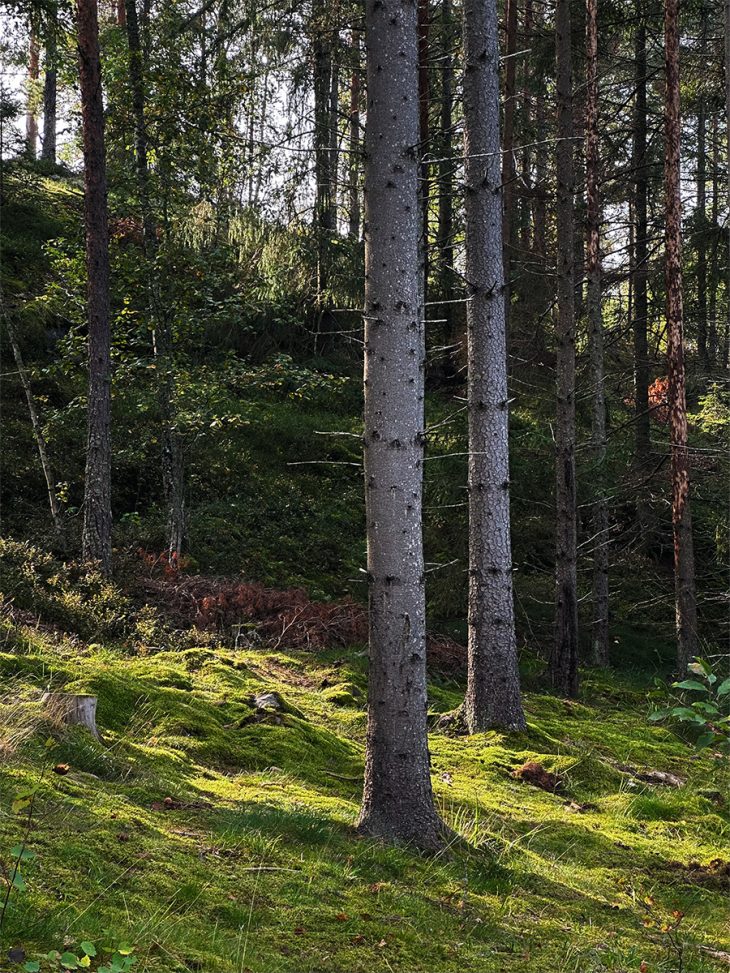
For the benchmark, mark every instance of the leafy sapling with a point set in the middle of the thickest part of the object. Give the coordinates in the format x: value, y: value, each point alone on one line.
x: 703, y: 701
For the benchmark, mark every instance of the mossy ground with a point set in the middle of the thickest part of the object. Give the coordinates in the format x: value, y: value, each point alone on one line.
x: 263, y: 870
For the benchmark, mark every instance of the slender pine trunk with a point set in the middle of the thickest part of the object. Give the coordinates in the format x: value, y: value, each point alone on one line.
x: 173, y: 475
x: 50, y: 88
x: 564, y: 659
x: 684, y: 569
x: 96, y: 539
x: 509, y: 171
x: 600, y: 534
x: 354, y: 140
x: 702, y: 203
x: 31, y: 118
x: 642, y: 419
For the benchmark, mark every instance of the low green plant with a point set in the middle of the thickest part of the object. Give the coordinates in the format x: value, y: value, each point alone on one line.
x: 707, y: 708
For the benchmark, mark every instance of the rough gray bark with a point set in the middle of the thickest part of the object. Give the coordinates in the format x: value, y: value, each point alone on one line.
x: 493, y: 687
x: 397, y: 796
x: 684, y: 568
x: 37, y: 427
x: 173, y: 479
x: 96, y: 538
x: 600, y: 534
x: 642, y: 428
x: 564, y: 657
x: 72, y: 709
x: 50, y: 87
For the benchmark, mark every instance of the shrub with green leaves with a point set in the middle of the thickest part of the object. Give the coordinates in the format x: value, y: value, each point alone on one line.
x: 704, y: 703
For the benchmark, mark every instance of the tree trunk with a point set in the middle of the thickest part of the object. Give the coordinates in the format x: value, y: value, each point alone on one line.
x: 50, y: 86
x: 37, y: 427
x: 509, y: 174
x: 97, y: 525
x: 334, y: 111
x: 172, y: 462
x: 354, y: 140
x: 31, y: 120
x: 564, y: 659
x: 642, y: 428
x: 701, y: 223
x: 72, y: 709
x: 527, y: 135
x: 493, y: 687
x: 684, y: 573
x: 714, y: 265
x: 397, y: 797
x: 595, y: 342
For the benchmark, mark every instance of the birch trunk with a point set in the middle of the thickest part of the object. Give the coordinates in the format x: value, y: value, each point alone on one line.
x: 564, y: 659
x: 493, y: 687
x: 595, y: 343
x: 684, y: 571
x: 97, y: 526
x: 397, y: 796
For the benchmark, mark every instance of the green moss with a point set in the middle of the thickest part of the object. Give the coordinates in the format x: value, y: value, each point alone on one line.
x: 257, y: 866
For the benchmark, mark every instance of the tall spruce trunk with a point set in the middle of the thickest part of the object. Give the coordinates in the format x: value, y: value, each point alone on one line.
x: 684, y: 569
x: 172, y: 460
x: 564, y: 658
x: 31, y: 118
x: 50, y: 88
x: 96, y: 538
x: 600, y: 534
x: 493, y: 686
x: 642, y: 419
x: 397, y: 796
x: 702, y: 202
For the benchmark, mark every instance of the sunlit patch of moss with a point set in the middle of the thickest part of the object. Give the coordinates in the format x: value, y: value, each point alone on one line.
x: 254, y: 862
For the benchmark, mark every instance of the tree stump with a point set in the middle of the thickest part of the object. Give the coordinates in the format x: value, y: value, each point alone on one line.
x: 73, y: 709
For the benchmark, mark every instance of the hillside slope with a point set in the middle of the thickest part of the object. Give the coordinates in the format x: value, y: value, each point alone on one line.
x: 213, y: 834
